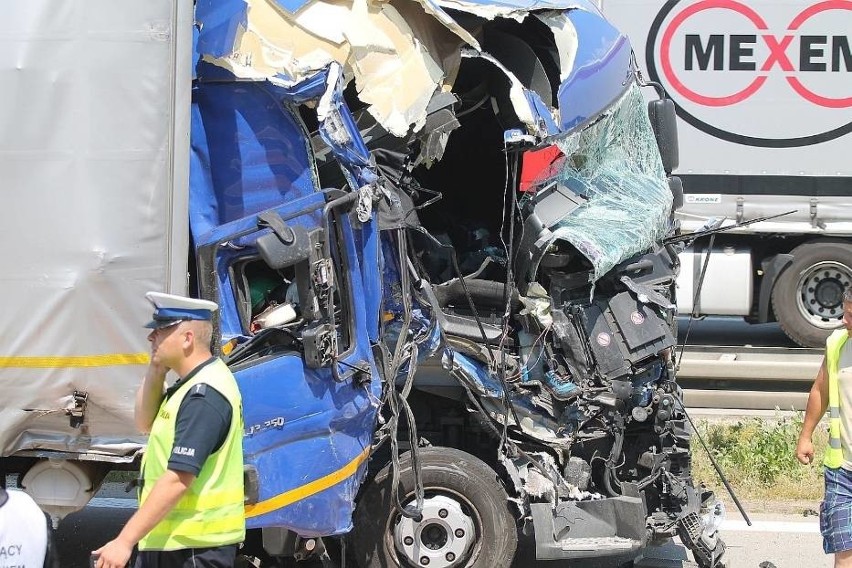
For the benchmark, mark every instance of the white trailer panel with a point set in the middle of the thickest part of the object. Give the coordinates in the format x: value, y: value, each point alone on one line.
x: 762, y: 87
x: 94, y: 169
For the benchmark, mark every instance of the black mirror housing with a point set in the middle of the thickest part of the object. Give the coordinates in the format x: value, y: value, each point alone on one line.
x: 279, y: 254
x: 664, y: 123
x: 676, y: 185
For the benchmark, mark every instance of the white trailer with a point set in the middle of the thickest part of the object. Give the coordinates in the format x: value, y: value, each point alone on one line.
x: 95, y: 214
x: 763, y: 91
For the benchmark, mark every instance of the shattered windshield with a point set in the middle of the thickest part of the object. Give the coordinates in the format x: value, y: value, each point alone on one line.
x: 614, y: 168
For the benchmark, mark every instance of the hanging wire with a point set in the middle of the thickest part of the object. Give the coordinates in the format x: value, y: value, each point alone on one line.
x: 695, y: 298
x: 398, y: 399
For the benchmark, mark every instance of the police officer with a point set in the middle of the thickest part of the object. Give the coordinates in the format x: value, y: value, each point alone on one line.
x: 191, y: 498
x: 25, y: 532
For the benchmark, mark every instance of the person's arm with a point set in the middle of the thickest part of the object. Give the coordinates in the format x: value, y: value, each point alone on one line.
x: 149, y: 396
x: 167, y: 491
x: 817, y: 403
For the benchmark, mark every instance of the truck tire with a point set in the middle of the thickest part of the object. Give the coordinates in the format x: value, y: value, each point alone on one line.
x: 808, y: 296
x: 466, y: 522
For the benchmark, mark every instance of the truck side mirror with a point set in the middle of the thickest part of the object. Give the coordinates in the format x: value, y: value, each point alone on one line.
x: 676, y: 185
x: 285, y: 245
x: 664, y: 123
x: 293, y: 246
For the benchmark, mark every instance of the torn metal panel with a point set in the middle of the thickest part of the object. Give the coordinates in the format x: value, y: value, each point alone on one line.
x: 401, y: 53
x: 516, y: 10
x: 398, y: 57
x: 397, y: 81
x: 338, y: 129
x: 271, y: 46
x: 566, y: 39
x: 220, y: 23
x: 438, y: 13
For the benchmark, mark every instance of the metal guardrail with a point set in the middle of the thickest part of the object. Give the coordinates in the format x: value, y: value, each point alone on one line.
x: 753, y: 363
x: 703, y: 367
x: 736, y: 400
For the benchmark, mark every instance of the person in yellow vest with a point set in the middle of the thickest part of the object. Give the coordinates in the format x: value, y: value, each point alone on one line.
x: 191, y: 499
x: 832, y: 389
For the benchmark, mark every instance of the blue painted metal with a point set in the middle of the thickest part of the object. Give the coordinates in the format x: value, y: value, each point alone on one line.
x: 340, y: 132
x: 601, y: 73
x: 326, y: 425
x: 229, y: 319
x: 479, y: 374
x: 235, y: 230
x: 367, y: 240
x: 292, y: 6
x: 542, y: 112
x: 219, y: 21
x: 249, y: 153
x: 305, y: 212
x: 302, y: 426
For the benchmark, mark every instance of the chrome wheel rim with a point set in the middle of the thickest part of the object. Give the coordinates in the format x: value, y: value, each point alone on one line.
x: 820, y: 298
x: 442, y: 538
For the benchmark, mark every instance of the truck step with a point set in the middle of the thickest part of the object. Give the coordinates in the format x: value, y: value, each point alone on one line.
x: 609, y: 543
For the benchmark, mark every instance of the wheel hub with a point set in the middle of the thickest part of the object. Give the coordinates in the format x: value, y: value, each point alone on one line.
x: 441, y: 539
x: 821, y: 293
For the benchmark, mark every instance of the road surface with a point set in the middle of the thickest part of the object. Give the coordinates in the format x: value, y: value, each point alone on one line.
x: 784, y: 540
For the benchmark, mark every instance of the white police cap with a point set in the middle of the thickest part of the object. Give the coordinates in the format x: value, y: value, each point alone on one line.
x: 170, y: 309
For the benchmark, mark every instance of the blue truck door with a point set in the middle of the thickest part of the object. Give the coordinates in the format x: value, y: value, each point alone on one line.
x: 267, y: 240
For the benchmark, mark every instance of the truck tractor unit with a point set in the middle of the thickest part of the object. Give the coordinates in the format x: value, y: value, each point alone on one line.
x: 442, y: 240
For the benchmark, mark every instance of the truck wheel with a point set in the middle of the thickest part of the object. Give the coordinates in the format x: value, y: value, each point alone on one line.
x: 465, y: 524
x: 808, y: 296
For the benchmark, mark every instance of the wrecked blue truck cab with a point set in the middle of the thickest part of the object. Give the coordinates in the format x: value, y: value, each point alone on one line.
x: 437, y: 234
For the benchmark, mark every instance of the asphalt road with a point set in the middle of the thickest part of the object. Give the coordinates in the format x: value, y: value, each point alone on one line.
x: 784, y: 541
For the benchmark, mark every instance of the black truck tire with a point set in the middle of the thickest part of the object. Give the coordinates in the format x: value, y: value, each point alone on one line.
x: 807, y: 298
x: 461, y: 493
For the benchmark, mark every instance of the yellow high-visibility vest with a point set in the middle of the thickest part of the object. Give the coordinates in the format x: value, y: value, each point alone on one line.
x: 211, y: 513
x: 833, y: 346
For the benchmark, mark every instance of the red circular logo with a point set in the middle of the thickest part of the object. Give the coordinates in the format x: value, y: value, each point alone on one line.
x: 724, y: 53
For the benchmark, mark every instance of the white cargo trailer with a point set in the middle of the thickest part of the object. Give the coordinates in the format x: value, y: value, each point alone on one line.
x: 763, y: 91
x: 95, y: 214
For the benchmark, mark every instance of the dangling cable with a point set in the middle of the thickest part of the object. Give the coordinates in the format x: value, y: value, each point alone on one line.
x: 695, y: 299
x: 716, y: 466
x: 399, y: 399
x: 510, y: 188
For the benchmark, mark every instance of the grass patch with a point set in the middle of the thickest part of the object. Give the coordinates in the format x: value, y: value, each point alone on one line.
x: 120, y: 476
x: 758, y: 458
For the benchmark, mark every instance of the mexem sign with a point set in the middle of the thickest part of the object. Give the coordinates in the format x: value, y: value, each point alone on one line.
x: 767, y: 74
